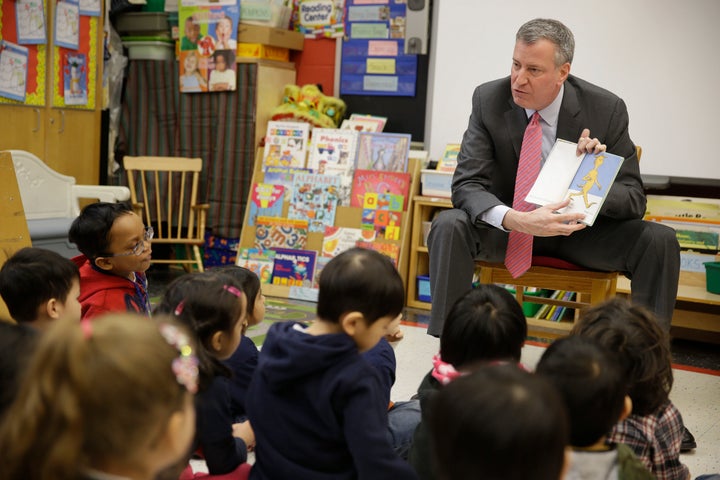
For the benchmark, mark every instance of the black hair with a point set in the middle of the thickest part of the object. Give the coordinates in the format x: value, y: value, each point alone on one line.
x: 360, y: 280
x: 203, y: 303
x: 228, y: 55
x: 498, y: 423
x: 592, y: 383
x: 248, y: 281
x: 90, y: 231
x: 633, y: 334
x: 31, y: 277
x: 486, y: 323
x: 17, y: 342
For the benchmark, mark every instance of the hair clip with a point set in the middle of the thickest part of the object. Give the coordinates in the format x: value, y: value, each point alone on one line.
x: 233, y: 290
x: 86, y: 326
x: 185, y: 367
x: 443, y: 372
x: 179, y: 309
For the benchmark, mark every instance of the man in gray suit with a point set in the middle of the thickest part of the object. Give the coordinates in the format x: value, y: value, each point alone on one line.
x: 484, y: 182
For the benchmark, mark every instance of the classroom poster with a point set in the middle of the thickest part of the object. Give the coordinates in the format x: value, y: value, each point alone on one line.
x: 30, y: 18
x: 67, y: 24
x: 208, y: 45
x: 75, y: 79
x: 13, y: 70
x: 320, y: 18
x: 90, y: 8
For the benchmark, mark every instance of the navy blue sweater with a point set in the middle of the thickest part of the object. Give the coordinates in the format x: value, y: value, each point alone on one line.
x: 318, y: 411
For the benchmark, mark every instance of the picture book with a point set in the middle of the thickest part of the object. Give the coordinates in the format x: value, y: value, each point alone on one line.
x: 386, y: 223
x: 448, y: 162
x: 373, y: 181
x: 283, y: 176
x: 280, y: 232
x: 339, y: 239
x: 332, y: 152
x: 286, y: 144
x: 383, y: 151
x: 75, y: 81
x: 319, y: 265
x: 294, y: 268
x: 260, y: 262
x: 390, y: 250
x: 315, y: 198
x: 369, y: 123
x: 586, y: 180
x: 266, y: 199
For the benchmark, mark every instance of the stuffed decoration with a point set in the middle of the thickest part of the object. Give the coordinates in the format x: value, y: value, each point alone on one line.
x: 309, y: 104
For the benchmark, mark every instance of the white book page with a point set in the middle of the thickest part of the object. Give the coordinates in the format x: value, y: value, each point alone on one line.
x: 556, y: 174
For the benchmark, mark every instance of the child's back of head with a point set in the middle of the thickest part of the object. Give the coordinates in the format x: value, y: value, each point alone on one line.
x: 592, y: 384
x: 360, y: 280
x: 113, y: 395
x: 499, y: 422
x: 17, y: 342
x: 485, y: 324
x: 40, y: 284
x: 643, y: 348
x: 250, y: 285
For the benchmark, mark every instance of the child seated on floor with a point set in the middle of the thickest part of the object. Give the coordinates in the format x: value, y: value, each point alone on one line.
x: 214, y: 308
x: 40, y: 286
x: 485, y: 325
x: 110, y: 398
x: 499, y: 422
x: 654, y: 429
x: 593, y: 386
x: 116, y: 250
x: 17, y: 343
x: 317, y: 408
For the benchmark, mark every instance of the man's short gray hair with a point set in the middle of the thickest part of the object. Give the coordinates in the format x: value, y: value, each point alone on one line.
x: 553, y: 30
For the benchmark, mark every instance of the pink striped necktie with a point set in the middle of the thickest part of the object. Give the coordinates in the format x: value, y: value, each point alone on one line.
x: 518, y: 256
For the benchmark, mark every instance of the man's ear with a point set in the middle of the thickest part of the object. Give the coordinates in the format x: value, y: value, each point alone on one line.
x: 564, y: 71
x: 103, y: 263
x: 627, y: 409
x: 351, y: 322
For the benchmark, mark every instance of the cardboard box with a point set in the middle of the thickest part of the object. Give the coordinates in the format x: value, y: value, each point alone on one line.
x: 275, y: 37
x: 257, y: 50
x: 436, y: 184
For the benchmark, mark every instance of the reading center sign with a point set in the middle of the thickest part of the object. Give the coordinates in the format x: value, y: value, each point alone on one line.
x: 320, y: 18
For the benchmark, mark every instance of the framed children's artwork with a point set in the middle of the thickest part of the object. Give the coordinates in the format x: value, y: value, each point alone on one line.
x: 13, y: 70
x: 67, y: 24
x: 30, y: 17
x: 75, y: 80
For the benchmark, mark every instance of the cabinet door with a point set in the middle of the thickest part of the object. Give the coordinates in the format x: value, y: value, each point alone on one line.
x: 23, y: 129
x: 73, y: 143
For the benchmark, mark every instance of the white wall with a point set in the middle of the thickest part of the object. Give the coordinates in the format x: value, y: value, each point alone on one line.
x: 661, y: 56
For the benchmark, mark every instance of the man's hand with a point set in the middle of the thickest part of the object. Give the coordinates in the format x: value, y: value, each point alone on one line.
x: 589, y: 145
x: 544, y: 222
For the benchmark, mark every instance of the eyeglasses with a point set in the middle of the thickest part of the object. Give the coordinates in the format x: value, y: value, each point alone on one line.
x: 139, y: 247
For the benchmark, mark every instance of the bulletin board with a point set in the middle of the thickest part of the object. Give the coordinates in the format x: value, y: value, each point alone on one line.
x: 88, y: 46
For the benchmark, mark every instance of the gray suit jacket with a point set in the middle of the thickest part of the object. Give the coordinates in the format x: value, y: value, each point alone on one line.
x: 488, y: 159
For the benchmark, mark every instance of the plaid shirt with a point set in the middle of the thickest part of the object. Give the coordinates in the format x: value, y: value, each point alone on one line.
x: 655, y: 439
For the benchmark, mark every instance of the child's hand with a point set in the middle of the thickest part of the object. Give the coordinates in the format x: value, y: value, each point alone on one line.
x: 244, y: 431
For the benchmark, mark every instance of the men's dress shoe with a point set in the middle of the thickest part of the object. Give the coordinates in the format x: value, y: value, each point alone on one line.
x: 688, y: 441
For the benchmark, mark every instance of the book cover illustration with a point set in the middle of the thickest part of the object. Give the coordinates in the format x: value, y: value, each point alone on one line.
x: 390, y: 250
x: 280, y: 232
x: 260, y: 262
x: 286, y: 144
x: 75, y: 80
x: 13, y: 70
x: 294, y: 268
x: 315, y: 198
x: 373, y: 181
x: 383, y: 213
x: 332, y: 152
x: 283, y: 176
x: 364, y: 123
x: 320, y: 263
x: 448, y: 162
x: 266, y: 200
x: 383, y: 151
x: 338, y: 239
x: 586, y: 180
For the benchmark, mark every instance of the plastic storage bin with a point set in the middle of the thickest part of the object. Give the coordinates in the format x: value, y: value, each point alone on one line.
x: 712, y: 277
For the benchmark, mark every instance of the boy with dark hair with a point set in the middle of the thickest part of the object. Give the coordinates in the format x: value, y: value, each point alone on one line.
x: 499, y: 422
x: 316, y: 406
x: 39, y: 286
x: 654, y: 430
x: 593, y: 386
x: 116, y: 250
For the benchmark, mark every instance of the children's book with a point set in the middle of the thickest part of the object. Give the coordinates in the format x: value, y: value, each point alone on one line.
x: 75, y: 80
x: 315, y: 199
x: 386, y: 223
x: 332, y: 152
x: 390, y: 250
x: 294, y: 268
x: 339, y: 239
x: 280, y: 232
x: 448, y: 162
x: 258, y: 261
x: 373, y: 181
x: 320, y: 263
x: 286, y: 144
x: 266, y: 200
x: 383, y: 151
x: 283, y: 176
x: 369, y: 123
x: 586, y: 180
